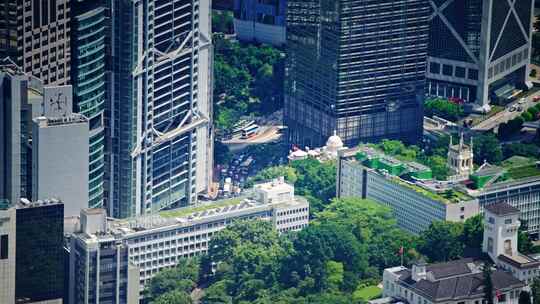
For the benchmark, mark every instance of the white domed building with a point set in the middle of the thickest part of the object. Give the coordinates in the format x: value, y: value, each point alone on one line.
x: 328, y: 152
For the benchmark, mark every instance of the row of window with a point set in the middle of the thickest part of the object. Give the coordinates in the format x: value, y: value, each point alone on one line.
x: 453, y: 71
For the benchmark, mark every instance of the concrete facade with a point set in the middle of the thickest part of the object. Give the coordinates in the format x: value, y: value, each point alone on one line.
x: 154, y: 243
x: 262, y: 22
x: 414, y: 204
x: 60, y: 161
x: 7, y: 254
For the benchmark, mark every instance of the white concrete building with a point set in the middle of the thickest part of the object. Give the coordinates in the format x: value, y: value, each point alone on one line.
x: 156, y: 242
x: 408, y: 189
x: 60, y: 161
x: 455, y: 282
x: 501, y: 224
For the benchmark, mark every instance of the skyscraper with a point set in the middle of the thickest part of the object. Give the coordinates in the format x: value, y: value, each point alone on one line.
x: 90, y: 44
x: 158, y: 117
x: 479, y: 50
x: 7, y: 253
x: 35, y: 35
x: 356, y: 67
x: 19, y: 104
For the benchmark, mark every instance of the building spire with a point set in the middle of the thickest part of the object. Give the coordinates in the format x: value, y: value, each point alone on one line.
x: 461, y: 141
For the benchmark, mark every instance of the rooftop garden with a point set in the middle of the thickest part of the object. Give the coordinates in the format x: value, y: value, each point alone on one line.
x: 182, y: 212
x: 450, y: 196
x: 523, y: 171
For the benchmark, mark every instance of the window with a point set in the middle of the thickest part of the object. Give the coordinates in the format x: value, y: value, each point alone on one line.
x: 447, y: 70
x: 460, y: 72
x: 4, y: 247
x: 491, y: 220
x: 508, y: 221
x: 435, y: 68
x: 473, y: 74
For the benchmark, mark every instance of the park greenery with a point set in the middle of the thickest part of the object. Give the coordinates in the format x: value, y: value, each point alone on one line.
x: 312, y: 179
x: 338, y: 258
x: 444, y: 109
x: 248, y: 80
x: 507, y: 129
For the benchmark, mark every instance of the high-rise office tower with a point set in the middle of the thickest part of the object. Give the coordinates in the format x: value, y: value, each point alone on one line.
x: 89, y: 43
x: 357, y: 68
x: 35, y: 35
x: 39, y: 252
x: 60, y: 161
x: 159, y: 118
x: 19, y: 104
x: 8, y: 29
x: 479, y: 50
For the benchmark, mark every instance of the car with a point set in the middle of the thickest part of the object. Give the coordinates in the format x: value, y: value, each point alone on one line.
x: 513, y: 108
x: 536, y: 98
x: 522, y: 100
x: 520, y: 108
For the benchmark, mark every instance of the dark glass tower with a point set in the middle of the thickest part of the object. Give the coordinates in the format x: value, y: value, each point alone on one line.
x: 39, y: 263
x: 355, y: 67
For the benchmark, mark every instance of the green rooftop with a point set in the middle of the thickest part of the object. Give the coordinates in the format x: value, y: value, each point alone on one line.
x: 449, y: 196
x: 183, y: 212
x: 374, y: 158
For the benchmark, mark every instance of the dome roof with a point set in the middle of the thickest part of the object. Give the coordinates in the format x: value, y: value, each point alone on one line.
x: 334, y: 142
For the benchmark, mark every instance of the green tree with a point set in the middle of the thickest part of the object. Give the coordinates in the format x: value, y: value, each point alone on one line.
x: 270, y: 173
x: 473, y: 232
x: 216, y: 294
x: 520, y: 149
x: 524, y: 297
x: 488, y: 283
x: 315, y: 179
x: 334, y: 275
x: 441, y: 241
x: 438, y: 166
x: 182, y: 278
x: 173, y: 297
x: 527, y: 116
x: 535, y: 290
x: 443, y: 108
x: 487, y: 147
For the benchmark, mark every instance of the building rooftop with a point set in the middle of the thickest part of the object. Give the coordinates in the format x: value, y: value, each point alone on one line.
x: 502, y: 209
x: 455, y: 280
x: 520, y: 261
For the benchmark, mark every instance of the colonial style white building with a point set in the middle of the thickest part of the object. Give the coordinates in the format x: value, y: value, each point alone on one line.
x: 501, y: 242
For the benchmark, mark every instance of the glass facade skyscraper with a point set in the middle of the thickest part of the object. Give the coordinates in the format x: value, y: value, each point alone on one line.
x: 89, y: 30
x: 160, y: 110
x: 357, y: 68
x: 479, y: 50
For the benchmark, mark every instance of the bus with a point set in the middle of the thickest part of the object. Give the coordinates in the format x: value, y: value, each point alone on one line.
x: 250, y: 131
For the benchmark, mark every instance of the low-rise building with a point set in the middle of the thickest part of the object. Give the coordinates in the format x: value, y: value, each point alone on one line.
x: 455, y: 282
x: 156, y: 242
x: 406, y: 187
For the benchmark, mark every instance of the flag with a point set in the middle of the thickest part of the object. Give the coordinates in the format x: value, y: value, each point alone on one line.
x: 401, y: 250
x: 498, y: 294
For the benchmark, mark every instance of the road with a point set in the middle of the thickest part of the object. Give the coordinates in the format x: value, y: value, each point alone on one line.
x: 505, y: 115
x: 266, y: 134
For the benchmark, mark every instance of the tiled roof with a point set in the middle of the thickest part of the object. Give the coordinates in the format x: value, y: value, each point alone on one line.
x: 457, y: 284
